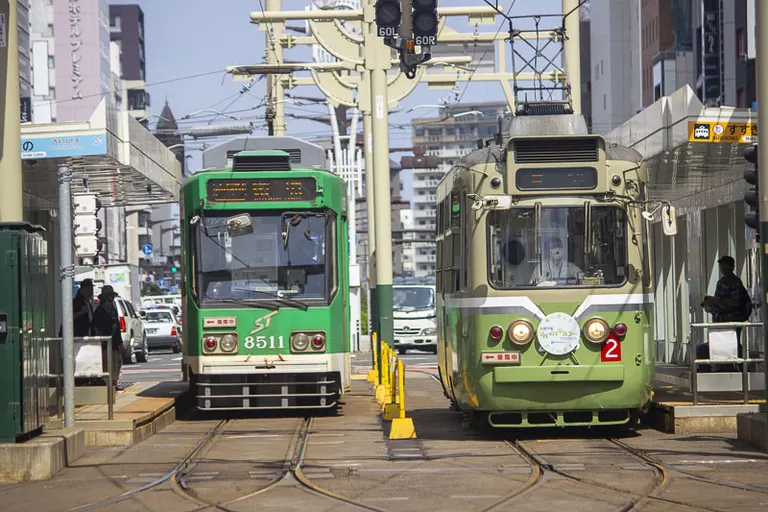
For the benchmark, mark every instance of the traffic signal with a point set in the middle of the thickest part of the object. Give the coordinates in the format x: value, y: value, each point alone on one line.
x: 752, y: 196
x: 425, y: 22
x: 388, y: 15
x: 174, y: 269
x: 87, y: 225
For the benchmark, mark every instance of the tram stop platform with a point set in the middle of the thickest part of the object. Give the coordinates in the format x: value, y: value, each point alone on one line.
x: 139, y: 412
x: 673, y: 410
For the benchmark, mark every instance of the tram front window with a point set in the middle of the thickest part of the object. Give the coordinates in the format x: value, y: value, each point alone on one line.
x: 279, y: 256
x: 564, y: 256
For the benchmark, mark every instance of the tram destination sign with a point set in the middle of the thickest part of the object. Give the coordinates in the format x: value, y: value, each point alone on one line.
x: 562, y: 178
x: 256, y: 190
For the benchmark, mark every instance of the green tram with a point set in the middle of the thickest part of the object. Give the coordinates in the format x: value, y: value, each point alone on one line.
x: 544, y: 283
x: 266, y: 285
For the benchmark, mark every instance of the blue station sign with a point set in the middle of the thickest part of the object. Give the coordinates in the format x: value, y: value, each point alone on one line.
x: 34, y: 148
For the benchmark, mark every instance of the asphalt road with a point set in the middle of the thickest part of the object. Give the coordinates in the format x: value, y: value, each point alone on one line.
x: 166, y: 366
x: 163, y: 365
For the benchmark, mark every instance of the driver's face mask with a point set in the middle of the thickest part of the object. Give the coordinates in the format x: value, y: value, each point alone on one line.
x: 556, y: 254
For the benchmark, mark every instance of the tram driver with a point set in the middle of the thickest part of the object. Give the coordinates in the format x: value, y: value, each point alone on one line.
x: 553, y: 270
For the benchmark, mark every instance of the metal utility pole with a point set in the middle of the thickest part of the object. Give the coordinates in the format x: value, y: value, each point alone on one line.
x: 571, y: 51
x: 761, y: 22
x: 377, y: 62
x: 373, y: 312
x: 11, y: 190
x: 275, y: 106
x: 67, y: 272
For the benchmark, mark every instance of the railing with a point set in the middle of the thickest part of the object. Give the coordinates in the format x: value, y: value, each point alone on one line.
x: 388, y: 379
x: 57, y: 374
x: 714, y: 382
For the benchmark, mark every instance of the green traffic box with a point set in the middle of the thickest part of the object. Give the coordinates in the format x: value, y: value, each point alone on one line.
x: 24, y: 356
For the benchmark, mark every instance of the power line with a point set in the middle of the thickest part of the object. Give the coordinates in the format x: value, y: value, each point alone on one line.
x: 111, y: 91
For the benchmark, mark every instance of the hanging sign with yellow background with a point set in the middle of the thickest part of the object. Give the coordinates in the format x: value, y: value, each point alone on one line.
x: 740, y: 133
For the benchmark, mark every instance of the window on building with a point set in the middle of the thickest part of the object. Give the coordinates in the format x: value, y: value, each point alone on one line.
x: 418, y: 132
x: 144, y: 219
x: 602, y: 69
x: 49, y: 30
x: 740, y: 97
x: 741, y: 43
x: 605, y: 102
x: 51, y: 62
x: 115, y: 22
x: 137, y: 99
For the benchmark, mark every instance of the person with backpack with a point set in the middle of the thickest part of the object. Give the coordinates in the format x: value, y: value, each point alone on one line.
x: 731, y: 303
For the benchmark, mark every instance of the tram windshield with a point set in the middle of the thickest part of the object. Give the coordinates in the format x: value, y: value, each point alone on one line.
x: 279, y: 256
x: 564, y: 257
x: 412, y: 298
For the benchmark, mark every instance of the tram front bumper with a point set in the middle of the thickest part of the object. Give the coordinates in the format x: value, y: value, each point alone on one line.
x: 602, y: 373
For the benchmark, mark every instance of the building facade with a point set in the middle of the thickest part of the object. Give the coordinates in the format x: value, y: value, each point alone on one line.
x: 126, y: 30
x: 615, y: 61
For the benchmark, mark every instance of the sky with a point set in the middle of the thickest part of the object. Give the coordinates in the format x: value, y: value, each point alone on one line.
x: 199, y: 37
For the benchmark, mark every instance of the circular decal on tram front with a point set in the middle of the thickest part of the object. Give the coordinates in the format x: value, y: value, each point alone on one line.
x: 559, y: 334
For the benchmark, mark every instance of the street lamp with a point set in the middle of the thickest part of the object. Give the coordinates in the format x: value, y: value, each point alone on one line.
x: 469, y: 113
x: 424, y: 106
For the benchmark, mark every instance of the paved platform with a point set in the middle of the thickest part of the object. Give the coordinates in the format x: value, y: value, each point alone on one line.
x: 672, y: 410
x: 140, y: 411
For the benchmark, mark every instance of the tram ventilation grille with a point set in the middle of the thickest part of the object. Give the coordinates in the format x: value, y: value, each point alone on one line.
x: 294, y: 155
x: 261, y: 163
x: 537, y: 151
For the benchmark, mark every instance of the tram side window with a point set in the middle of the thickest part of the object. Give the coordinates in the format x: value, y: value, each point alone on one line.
x: 192, y: 241
x: 558, y: 257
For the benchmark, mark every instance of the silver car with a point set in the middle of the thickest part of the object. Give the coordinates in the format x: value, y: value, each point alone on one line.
x: 162, y: 328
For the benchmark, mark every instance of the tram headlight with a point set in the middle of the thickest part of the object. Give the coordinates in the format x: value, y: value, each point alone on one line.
x: 520, y: 332
x: 596, y: 330
x: 299, y: 342
x: 209, y: 344
x: 229, y: 343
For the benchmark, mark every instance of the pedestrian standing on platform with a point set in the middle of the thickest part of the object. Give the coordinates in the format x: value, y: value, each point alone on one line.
x: 83, y: 308
x: 731, y: 303
x: 106, y: 322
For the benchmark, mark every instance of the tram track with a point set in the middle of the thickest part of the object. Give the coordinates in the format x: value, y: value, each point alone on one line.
x: 291, y: 474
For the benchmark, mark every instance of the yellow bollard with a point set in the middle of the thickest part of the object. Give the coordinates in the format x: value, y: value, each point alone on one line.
x: 383, y: 389
x: 390, y: 410
x: 402, y: 427
x: 373, y: 373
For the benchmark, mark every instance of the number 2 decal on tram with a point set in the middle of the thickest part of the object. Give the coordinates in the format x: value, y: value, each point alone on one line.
x: 610, y: 351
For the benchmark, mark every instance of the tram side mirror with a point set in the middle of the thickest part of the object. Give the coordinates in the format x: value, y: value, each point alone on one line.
x: 239, y: 224
x: 668, y: 220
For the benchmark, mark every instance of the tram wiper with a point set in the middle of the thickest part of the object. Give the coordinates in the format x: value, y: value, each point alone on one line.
x: 280, y: 300
x: 247, y: 304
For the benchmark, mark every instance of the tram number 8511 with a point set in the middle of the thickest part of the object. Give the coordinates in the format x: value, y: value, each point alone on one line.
x: 262, y: 342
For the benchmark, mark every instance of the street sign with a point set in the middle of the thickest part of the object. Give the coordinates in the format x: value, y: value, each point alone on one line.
x: 174, y: 289
x: 148, y: 279
x: 161, y: 282
x: 147, y: 250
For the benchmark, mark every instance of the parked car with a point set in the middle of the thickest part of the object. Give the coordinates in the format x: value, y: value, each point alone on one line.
x: 133, y: 333
x: 162, y: 327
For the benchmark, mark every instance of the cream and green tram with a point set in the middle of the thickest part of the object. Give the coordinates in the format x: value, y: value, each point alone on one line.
x: 544, y: 283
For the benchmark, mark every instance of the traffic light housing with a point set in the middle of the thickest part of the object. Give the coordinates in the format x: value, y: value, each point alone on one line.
x: 174, y: 269
x: 425, y: 22
x: 87, y: 225
x: 388, y: 16
x: 752, y: 196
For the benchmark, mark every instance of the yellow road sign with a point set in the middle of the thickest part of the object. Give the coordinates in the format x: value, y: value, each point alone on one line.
x: 706, y: 131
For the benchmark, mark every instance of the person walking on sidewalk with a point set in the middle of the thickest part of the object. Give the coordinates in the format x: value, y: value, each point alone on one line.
x: 106, y: 322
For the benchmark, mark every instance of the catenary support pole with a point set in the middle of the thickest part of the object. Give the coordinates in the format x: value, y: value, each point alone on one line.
x: 373, y: 312
x: 382, y: 201
x: 761, y: 17
x: 275, y: 90
x: 572, y: 52
x: 67, y: 273
x: 11, y: 191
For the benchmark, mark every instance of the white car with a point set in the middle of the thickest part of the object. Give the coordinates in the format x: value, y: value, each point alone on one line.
x: 132, y: 332
x: 163, y: 329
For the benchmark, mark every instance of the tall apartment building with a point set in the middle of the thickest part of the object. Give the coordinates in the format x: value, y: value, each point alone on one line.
x: 447, y: 138
x: 126, y: 30
x: 25, y: 62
